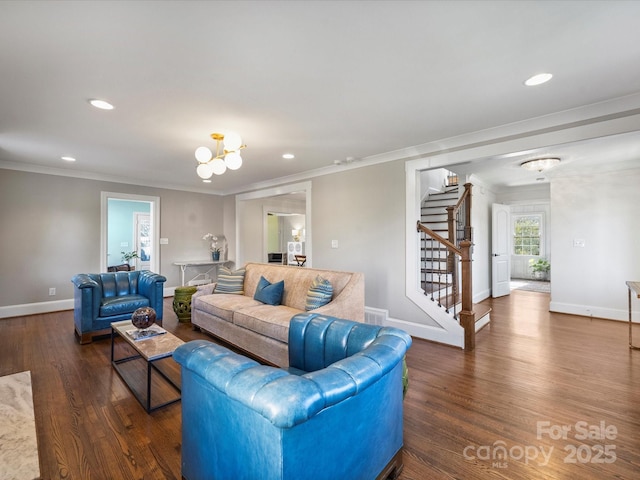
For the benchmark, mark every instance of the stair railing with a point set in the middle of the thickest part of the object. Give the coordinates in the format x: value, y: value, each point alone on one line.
x: 458, y: 252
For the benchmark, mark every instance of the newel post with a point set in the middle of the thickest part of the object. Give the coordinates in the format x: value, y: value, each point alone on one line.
x: 467, y: 211
x: 467, y: 315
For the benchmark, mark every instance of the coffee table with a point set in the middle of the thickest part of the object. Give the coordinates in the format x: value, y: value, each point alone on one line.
x: 153, y: 351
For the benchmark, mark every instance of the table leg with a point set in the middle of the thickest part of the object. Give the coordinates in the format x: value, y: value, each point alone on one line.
x: 631, y: 346
x: 148, y: 387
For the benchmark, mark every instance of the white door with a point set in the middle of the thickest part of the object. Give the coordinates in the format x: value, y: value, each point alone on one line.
x: 500, y: 250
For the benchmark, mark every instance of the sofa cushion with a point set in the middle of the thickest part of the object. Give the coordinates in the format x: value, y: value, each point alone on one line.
x: 269, y: 293
x: 223, y: 305
x: 230, y: 281
x: 266, y: 320
x: 125, y: 304
x: 319, y: 294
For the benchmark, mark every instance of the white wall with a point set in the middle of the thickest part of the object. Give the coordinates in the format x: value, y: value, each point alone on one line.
x: 432, y: 181
x: 602, y: 210
x: 51, y: 231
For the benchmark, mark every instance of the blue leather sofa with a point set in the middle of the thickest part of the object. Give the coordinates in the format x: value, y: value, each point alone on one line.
x: 335, y: 413
x: 102, y: 298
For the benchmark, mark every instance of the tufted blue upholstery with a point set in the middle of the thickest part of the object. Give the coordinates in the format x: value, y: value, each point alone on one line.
x: 336, y: 413
x: 102, y: 298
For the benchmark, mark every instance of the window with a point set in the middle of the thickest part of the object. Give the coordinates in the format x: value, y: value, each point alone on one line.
x: 527, y: 234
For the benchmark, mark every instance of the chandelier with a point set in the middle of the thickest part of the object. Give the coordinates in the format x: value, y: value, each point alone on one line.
x: 227, y: 157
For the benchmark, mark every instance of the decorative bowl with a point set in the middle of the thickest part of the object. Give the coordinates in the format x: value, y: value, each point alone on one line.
x: 143, y: 317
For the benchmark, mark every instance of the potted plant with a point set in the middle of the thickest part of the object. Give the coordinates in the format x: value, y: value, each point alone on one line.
x: 540, y: 268
x: 215, y: 250
x: 127, y: 256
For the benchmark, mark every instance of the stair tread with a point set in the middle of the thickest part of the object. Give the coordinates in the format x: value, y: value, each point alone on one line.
x: 481, y: 310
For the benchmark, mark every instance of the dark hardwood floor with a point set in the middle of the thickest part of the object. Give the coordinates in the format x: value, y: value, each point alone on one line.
x: 498, y: 412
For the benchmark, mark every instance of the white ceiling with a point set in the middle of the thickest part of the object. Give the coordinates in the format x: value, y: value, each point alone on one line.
x: 324, y: 80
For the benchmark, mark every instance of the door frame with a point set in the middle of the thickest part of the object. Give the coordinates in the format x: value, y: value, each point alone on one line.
x: 154, y: 214
x: 274, y: 192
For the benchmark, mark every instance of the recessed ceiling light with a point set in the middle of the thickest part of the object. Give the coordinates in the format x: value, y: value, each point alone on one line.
x: 288, y: 156
x: 206, y: 181
x: 68, y: 159
x: 101, y: 104
x: 538, y: 79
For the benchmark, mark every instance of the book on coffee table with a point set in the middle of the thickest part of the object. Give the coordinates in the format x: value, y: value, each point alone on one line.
x: 150, y: 332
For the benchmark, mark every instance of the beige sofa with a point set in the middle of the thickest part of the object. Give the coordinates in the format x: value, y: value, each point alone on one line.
x: 263, y: 330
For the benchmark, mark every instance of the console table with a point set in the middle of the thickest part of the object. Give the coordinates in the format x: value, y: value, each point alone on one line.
x: 198, y: 263
x: 635, y: 288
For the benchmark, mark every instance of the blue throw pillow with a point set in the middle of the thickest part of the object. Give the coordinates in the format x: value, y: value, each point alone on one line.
x: 319, y: 294
x: 269, y: 293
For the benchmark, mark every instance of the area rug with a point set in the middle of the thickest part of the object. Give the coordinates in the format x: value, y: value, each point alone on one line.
x: 531, y: 286
x: 18, y: 441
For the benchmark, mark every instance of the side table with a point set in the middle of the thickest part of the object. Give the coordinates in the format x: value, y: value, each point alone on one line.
x: 182, y: 303
x: 635, y: 288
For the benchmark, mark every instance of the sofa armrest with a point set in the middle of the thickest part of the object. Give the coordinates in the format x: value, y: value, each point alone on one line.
x: 202, y: 290
x: 87, y: 295
x: 349, y: 304
x: 151, y: 285
x: 148, y: 282
x: 82, y: 280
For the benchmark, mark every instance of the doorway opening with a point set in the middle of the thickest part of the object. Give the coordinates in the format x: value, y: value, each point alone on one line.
x: 129, y: 223
x: 253, y: 224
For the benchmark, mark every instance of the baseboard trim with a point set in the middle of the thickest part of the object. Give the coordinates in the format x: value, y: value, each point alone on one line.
x: 48, y: 307
x: 594, y: 312
x: 426, y: 332
x: 35, y: 308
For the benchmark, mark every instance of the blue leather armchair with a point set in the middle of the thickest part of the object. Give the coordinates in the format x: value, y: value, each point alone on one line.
x: 335, y: 413
x: 102, y: 298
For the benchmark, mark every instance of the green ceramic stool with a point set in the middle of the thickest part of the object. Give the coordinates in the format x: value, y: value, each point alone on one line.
x: 182, y: 303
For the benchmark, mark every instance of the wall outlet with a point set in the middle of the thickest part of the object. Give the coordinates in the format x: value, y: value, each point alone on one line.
x: 334, y: 243
x: 52, y: 291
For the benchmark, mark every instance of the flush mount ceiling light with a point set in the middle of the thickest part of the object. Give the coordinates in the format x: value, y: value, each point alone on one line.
x: 540, y: 164
x: 538, y: 79
x: 229, y: 157
x: 288, y: 156
x: 101, y: 104
x: 67, y: 158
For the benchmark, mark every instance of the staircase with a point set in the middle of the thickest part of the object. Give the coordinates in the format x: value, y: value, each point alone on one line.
x: 435, y: 275
x: 445, y: 259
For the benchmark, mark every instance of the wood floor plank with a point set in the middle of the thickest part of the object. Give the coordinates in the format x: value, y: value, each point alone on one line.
x: 530, y: 368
